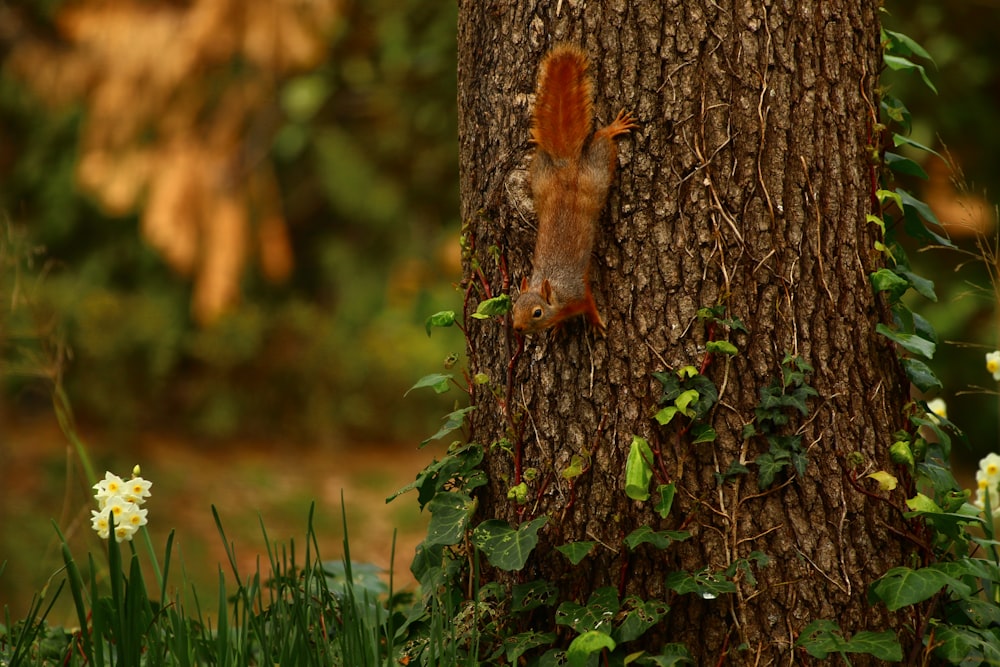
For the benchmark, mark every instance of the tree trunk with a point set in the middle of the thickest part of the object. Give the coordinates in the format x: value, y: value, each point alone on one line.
x: 747, y: 186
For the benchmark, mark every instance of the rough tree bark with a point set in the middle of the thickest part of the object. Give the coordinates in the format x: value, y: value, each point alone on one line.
x: 748, y: 186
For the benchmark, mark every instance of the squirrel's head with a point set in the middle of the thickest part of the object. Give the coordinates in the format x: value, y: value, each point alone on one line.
x: 533, y: 310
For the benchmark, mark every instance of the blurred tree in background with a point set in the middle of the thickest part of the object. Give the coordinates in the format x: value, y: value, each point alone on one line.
x: 248, y: 208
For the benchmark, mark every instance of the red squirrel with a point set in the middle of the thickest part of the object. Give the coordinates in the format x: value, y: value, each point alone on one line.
x: 570, y: 175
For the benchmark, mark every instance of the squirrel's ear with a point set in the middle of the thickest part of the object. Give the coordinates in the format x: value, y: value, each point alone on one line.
x: 524, y: 284
x: 547, y: 291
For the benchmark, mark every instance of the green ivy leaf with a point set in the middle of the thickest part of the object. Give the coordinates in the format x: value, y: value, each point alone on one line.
x: 445, y: 318
x: 703, y: 583
x: 452, y: 422
x: 525, y: 597
x: 640, y: 615
x: 450, y: 513
x: 664, y: 416
x: 599, y: 611
x: 903, y: 140
x: 904, y: 45
x: 659, y: 539
x: 903, y: 586
x: 823, y: 637
x: 576, y: 551
x: 886, y: 280
x: 904, y: 165
x: 702, y: 433
x: 721, y: 347
x: 670, y: 656
x: 440, y: 382
x: 505, y: 547
x: 915, y: 212
x: 498, y: 305
x: 589, y: 642
x: 921, y: 375
x: 638, y: 470
x: 769, y: 465
x: 956, y: 644
x: 909, y: 342
x: 666, y: 495
x: 517, y: 645
x: 898, y: 64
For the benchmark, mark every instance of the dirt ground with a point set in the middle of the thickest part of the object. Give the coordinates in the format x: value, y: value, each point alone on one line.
x: 248, y: 482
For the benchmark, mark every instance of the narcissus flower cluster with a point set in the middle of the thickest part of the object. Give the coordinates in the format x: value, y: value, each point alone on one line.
x: 988, y: 479
x: 121, y: 499
x: 993, y: 364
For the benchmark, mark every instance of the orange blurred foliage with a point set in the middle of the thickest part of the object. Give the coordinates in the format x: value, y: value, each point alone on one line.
x: 181, y: 110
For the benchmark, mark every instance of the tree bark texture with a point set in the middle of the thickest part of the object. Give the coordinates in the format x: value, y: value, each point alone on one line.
x: 747, y: 185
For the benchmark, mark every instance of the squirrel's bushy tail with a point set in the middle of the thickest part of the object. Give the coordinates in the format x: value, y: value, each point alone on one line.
x: 563, y: 103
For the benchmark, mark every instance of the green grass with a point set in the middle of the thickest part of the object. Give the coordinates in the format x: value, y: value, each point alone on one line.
x: 292, y: 609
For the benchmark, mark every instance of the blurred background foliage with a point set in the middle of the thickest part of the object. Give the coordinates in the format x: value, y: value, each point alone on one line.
x: 960, y: 122
x: 241, y: 212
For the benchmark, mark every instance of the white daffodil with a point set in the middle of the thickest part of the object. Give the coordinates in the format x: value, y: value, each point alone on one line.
x: 119, y: 501
x: 993, y: 364
x: 938, y: 409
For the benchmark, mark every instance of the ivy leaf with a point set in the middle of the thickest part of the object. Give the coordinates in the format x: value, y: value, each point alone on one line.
x: 445, y: 318
x: 905, y: 45
x: 921, y: 375
x: 440, y: 382
x: 904, y: 586
x: 638, y: 470
x: 670, y: 655
x: 703, y: 583
x: 914, y: 212
x: 702, y: 433
x: 886, y: 280
x: 721, y: 347
x: 600, y: 610
x: 923, y: 286
x: 450, y: 512
x: 957, y: 644
x: 666, y: 494
x: 526, y: 597
x: 640, y: 615
x: 517, y: 645
x: 505, y: 547
x: 589, y: 642
x: 903, y: 140
x: 665, y: 415
x: 576, y: 551
x: 909, y: 342
x: 886, y: 482
x: 823, y: 637
x: 498, y: 305
x: 769, y: 465
x: 898, y: 63
x: 452, y: 422
x: 904, y: 165
x: 659, y: 539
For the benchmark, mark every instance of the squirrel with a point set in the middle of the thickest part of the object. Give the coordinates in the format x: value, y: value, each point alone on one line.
x: 570, y: 175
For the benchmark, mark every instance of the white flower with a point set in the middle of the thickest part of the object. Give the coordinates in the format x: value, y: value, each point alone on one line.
x: 993, y: 364
x: 136, y: 490
x: 100, y: 523
x: 938, y: 408
x: 988, y: 480
x: 119, y: 501
x: 108, y: 487
x: 990, y: 467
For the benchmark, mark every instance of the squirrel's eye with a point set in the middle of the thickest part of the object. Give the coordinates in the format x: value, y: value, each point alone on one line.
x: 536, y: 313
